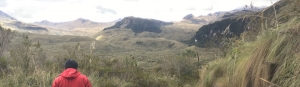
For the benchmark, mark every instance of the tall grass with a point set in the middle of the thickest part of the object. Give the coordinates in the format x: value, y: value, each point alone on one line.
x: 27, y: 65
x: 271, y: 60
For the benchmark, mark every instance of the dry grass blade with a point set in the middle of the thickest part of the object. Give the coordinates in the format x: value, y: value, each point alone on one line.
x: 271, y: 84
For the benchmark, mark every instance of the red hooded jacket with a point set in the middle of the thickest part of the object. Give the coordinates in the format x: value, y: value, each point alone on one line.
x: 70, y: 77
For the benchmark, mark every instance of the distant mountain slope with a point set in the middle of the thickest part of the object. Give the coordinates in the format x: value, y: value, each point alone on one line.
x: 139, y: 25
x: 229, y: 25
x: 13, y: 24
x: 132, y: 32
x: 190, y: 18
x: 79, y: 27
x: 76, y: 24
x: 217, y: 16
x: 5, y: 17
x: 17, y: 25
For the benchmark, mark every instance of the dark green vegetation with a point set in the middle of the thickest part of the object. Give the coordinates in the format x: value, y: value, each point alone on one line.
x: 139, y: 25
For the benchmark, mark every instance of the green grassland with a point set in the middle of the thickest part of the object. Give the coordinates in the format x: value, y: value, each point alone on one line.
x: 266, y: 55
x: 117, y: 59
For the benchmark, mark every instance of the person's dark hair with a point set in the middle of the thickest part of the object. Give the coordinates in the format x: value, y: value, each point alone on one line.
x: 71, y: 64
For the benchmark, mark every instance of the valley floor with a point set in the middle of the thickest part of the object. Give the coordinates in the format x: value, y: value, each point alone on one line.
x: 34, y: 61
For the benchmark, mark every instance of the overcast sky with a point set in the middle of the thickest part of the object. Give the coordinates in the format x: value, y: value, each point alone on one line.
x: 110, y: 10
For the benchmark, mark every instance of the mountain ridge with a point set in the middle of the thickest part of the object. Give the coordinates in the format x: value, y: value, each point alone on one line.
x: 78, y: 27
x: 6, y: 17
x: 139, y: 25
x: 9, y: 22
x: 71, y: 25
x: 230, y: 24
x: 218, y: 16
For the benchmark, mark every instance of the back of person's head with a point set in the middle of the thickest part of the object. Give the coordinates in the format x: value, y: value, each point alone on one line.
x: 71, y: 64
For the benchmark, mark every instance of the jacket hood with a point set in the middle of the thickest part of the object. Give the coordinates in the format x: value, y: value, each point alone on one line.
x: 70, y: 73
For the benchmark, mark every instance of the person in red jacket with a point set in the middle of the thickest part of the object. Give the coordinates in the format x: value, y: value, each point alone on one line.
x: 71, y: 77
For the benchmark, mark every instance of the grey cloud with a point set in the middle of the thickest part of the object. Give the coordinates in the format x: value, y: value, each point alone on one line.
x: 58, y: 1
x: 132, y: 0
x: 171, y: 9
x: 3, y: 3
x: 26, y: 15
x: 105, y: 10
x: 191, y: 9
x: 209, y: 9
x: 76, y: 1
x: 262, y: 0
x: 23, y: 12
x: 50, y: 0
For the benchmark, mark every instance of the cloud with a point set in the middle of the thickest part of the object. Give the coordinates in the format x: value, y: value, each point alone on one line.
x: 105, y: 10
x: 132, y: 0
x: 109, y: 10
x: 3, y: 3
x: 49, y: 0
x: 191, y: 9
x: 209, y: 9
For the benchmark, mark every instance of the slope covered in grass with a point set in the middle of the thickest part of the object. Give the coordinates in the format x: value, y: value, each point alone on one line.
x: 271, y: 60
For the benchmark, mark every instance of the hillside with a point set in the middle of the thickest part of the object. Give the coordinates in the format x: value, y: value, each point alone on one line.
x: 138, y: 33
x: 7, y: 21
x: 219, y: 26
x: 243, y: 48
x: 218, y: 16
x: 139, y: 25
x: 76, y: 24
x: 230, y: 25
x: 78, y: 27
x: 5, y: 17
x: 203, y: 20
x: 266, y: 55
x: 132, y: 30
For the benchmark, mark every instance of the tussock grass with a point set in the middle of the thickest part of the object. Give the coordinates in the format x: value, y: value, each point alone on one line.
x: 29, y: 63
x: 271, y: 60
